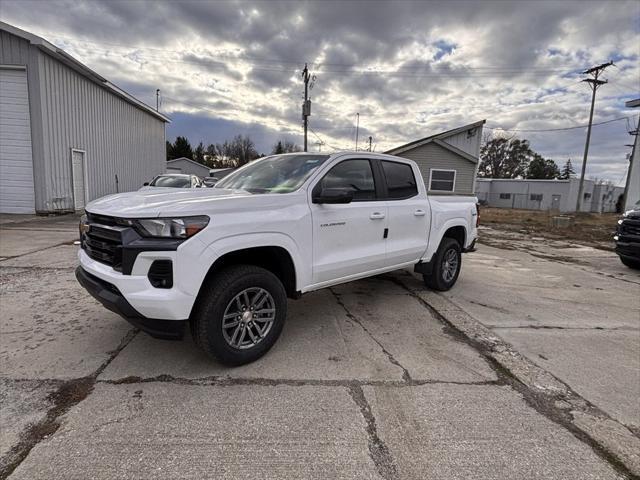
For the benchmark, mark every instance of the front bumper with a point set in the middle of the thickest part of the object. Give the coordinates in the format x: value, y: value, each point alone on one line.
x: 629, y: 250
x: 161, y: 303
x: 111, y: 298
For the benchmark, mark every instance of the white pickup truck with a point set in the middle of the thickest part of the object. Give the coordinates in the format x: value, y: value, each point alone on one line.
x: 225, y: 259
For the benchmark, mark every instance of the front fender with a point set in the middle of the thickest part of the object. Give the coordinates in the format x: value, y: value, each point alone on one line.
x: 232, y: 243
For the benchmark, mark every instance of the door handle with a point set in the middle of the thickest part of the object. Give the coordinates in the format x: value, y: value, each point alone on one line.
x: 376, y: 216
x: 419, y: 213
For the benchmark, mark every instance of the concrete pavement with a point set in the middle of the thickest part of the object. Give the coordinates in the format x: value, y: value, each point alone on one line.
x: 367, y: 381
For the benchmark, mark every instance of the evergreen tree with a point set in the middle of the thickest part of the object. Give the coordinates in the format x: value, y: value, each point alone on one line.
x: 278, y: 148
x: 198, y: 154
x: 182, y: 148
x: 567, y: 171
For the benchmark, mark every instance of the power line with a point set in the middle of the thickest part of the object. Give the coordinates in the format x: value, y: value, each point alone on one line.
x: 557, y: 129
x: 323, y: 141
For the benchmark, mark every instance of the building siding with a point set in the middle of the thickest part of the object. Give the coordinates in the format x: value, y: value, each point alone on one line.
x: 433, y: 156
x: 69, y: 111
x: 17, y: 51
x: 185, y: 166
x: 118, y: 138
x: 468, y: 141
x: 520, y: 191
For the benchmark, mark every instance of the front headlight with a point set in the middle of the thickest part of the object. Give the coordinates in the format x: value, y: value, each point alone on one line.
x: 183, y: 227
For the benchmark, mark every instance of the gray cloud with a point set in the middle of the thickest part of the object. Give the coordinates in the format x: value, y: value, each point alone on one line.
x: 429, y: 66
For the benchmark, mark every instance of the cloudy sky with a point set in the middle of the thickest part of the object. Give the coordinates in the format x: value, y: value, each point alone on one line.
x: 410, y: 69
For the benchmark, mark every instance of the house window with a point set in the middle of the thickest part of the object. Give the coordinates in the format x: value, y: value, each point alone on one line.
x: 505, y: 196
x: 535, y: 197
x: 442, y: 180
x: 587, y: 195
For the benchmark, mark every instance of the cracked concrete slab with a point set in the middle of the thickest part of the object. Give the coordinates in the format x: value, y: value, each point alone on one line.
x: 51, y: 328
x: 164, y: 430
x: 510, y: 288
x: 477, y: 431
x: 21, y: 241
x: 22, y: 403
x: 62, y: 256
x: 318, y: 342
x: 608, y: 376
x: 411, y: 335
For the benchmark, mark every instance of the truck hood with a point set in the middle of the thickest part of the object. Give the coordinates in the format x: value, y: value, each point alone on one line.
x: 164, y: 202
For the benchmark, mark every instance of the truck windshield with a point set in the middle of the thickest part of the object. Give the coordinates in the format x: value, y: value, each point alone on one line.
x: 276, y: 174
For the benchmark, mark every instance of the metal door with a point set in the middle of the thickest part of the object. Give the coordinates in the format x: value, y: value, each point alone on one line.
x: 555, y: 202
x: 79, y: 179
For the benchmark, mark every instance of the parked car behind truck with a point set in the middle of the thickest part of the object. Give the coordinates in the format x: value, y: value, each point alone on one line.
x: 224, y: 260
x: 627, y: 238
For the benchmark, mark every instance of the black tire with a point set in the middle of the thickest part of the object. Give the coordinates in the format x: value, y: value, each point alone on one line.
x: 220, y: 290
x: 631, y: 263
x: 438, y: 279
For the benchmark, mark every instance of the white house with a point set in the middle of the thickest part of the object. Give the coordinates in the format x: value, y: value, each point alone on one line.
x: 448, y: 160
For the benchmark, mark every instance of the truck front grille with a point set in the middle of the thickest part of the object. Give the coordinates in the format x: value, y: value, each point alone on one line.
x: 630, y: 227
x: 103, y: 240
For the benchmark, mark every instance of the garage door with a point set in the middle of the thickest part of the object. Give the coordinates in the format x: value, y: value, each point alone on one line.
x: 16, y: 164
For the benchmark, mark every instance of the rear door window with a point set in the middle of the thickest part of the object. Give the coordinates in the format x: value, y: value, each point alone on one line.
x: 401, y: 182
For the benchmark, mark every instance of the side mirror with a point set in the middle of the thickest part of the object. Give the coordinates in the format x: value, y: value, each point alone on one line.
x: 145, y: 184
x: 333, y: 195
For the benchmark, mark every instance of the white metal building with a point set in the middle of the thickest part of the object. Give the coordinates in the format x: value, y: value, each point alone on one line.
x: 633, y: 174
x: 448, y: 160
x: 186, y: 165
x: 560, y: 195
x: 68, y: 135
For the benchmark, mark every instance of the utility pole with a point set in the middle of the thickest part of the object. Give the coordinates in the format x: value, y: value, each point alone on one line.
x: 370, y: 140
x: 306, y: 106
x: 319, y: 143
x: 357, y: 128
x: 594, y: 83
x: 157, y: 100
x: 633, y: 132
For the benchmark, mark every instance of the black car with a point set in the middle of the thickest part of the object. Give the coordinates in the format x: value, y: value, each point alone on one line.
x: 628, y: 238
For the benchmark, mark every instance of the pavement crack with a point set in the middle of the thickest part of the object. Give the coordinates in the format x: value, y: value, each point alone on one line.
x: 68, y: 394
x: 405, y: 373
x: 554, y: 327
x: 218, y: 381
x: 542, y: 392
x: 378, y: 450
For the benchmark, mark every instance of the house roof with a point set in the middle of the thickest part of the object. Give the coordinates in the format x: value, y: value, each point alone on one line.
x: 82, y: 69
x: 439, y: 140
x: 188, y: 160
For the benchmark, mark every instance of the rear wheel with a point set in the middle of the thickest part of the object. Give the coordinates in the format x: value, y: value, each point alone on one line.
x: 631, y: 263
x: 447, y: 262
x: 241, y: 314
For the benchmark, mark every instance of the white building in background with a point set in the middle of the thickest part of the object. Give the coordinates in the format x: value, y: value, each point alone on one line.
x: 68, y: 135
x: 633, y: 175
x: 558, y: 195
x: 186, y: 165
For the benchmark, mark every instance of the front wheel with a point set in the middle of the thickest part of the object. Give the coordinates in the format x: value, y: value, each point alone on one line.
x: 447, y: 262
x: 241, y: 314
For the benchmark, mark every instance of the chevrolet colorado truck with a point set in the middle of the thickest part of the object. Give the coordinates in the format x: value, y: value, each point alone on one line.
x: 224, y: 260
